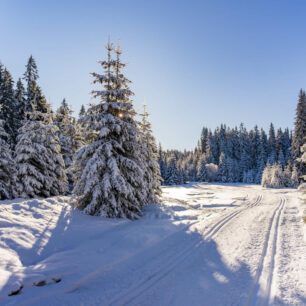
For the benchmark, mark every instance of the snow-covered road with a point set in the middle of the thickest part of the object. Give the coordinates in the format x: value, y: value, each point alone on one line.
x: 207, y: 244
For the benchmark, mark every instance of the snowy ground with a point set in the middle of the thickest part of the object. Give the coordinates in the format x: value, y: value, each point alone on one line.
x: 208, y: 244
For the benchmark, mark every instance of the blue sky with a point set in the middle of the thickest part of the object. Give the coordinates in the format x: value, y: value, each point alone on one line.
x: 195, y: 63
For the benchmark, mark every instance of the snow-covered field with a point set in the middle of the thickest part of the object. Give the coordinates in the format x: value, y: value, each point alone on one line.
x: 207, y: 244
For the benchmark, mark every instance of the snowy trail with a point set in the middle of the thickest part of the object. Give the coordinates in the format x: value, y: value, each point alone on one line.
x: 263, y: 279
x: 218, y: 225
x: 170, y: 265
x: 208, y: 244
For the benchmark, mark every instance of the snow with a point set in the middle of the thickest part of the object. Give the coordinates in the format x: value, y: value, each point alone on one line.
x: 207, y: 244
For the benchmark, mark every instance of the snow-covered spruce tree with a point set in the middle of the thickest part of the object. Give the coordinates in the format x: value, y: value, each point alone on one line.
x: 82, y: 111
x: 302, y: 185
x: 212, y: 148
x: 244, y: 144
x: 150, y: 158
x: 204, y: 139
x: 286, y: 142
x: 70, y: 137
x: 34, y: 97
x: 233, y: 170
x: 7, y: 168
x: 299, y: 138
x: 260, y: 169
x: 9, y: 107
x: 108, y: 170
x: 81, y: 126
x: 191, y: 166
x: 302, y: 159
x: 162, y: 163
x: 262, y: 157
x: 281, y: 158
x: 222, y: 140
x: 20, y: 100
x: 254, y: 144
x: 62, y: 112
x: 172, y: 176
x: 272, y: 145
x: 40, y: 166
x: 181, y: 177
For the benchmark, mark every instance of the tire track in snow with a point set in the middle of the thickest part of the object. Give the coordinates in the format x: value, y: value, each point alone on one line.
x: 261, y: 289
x: 172, y: 262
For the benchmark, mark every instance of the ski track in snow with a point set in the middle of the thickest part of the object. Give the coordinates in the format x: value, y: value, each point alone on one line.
x: 263, y: 279
x: 163, y: 272
x: 208, y: 244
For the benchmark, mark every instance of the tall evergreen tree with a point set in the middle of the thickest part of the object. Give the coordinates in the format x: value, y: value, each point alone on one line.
x: 20, y: 101
x: 162, y: 163
x: 7, y: 168
x: 245, y: 162
x: 299, y: 136
x: 70, y: 137
x: 1, y: 80
x: 109, y: 174
x: 81, y: 125
x: 2, y: 86
x: 82, y: 111
x: 9, y: 107
x: 212, y: 150
x: 272, y: 145
x: 302, y: 159
x: 62, y: 112
x: 173, y: 176
x: 35, y: 100
x: 40, y: 165
x: 150, y: 159
x: 286, y: 142
x: 30, y: 76
x: 201, y: 169
x: 222, y: 140
x: 204, y: 140
x: 260, y: 169
x: 281, y: 158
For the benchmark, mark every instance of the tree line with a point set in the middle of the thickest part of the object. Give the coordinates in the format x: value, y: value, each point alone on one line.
x: 238, y: 155
x: 107, y: 158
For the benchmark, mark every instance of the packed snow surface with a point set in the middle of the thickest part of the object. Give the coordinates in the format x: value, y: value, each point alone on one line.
x: 207, y: 244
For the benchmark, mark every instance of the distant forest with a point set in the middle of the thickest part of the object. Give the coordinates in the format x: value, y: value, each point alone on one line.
x: 238, y: 155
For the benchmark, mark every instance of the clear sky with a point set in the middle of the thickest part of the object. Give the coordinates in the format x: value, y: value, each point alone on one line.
x: 196, y: 63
